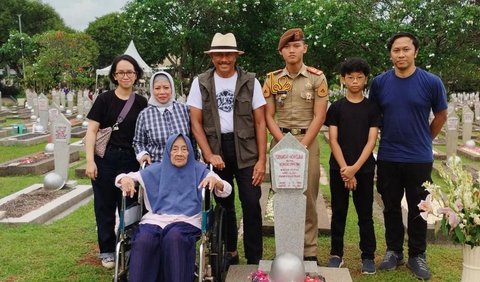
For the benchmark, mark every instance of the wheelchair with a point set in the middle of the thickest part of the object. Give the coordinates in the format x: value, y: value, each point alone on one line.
x: 212, y: 242
x: 210, y: 261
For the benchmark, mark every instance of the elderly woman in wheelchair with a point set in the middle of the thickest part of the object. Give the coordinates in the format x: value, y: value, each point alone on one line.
x: 163, y: 249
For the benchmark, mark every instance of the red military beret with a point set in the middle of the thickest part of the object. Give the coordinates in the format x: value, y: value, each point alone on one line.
x: 294, y: 34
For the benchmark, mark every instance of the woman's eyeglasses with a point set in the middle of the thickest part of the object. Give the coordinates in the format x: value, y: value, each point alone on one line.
x: 122, y: 74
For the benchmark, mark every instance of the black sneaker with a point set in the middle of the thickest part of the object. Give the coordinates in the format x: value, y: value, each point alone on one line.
x: 391, y: 260
x: 230, y: 260
x: 335, y: 261
x: 368, y: 266
x: 418, y: 265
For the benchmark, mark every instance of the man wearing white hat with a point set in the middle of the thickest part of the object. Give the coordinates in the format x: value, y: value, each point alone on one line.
x: 228, y: 122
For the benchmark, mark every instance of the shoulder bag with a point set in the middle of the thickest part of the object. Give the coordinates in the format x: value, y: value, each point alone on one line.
x: 103, y: 135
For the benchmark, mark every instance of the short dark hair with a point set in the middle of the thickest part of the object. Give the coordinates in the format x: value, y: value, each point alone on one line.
x: 397, y: 35
x: 354, y: 65
x: 129, y: 59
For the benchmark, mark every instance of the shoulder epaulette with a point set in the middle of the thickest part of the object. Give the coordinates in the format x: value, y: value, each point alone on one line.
x: 314, y: 71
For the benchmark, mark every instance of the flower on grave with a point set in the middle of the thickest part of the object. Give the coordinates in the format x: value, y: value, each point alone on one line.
x: 262, y: 276
x: 459, y: 201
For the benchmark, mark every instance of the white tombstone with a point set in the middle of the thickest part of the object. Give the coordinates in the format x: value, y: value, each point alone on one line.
x: 56, y: 96
x: 70, y: 96
x: 467, y: 121
x: 289, y: 169
x: 53, y: 114
x: 87, y: 105
x: 452, y: 134
x: 28, y: 94
x: 477, y: 110
x: 34, y: 98
x: 80, y: 104
x: 43, y: 110
x: 62, y: 132
x: 63, y: 99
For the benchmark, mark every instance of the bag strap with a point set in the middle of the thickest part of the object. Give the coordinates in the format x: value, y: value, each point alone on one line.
x: 126, y: 108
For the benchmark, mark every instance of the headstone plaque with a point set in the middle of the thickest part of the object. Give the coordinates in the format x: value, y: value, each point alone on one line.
x: 289, y: 163
x: 62, y: 132
x: 43, y: 110
x: 452, y: 134
x: 467, y: 120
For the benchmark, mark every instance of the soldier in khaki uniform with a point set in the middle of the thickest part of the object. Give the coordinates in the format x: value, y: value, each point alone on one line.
x: 297, y: 102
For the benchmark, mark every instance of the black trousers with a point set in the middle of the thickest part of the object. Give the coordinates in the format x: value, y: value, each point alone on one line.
x: 107, y: 197
x: 395, y: 179
x: 250, y: 200
x: 363, y: 201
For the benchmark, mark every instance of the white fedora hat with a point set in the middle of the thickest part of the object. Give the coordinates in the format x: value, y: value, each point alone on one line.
x: 223, y: 43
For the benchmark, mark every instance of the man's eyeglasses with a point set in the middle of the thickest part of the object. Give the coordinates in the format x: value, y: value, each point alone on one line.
x: 122, y: 74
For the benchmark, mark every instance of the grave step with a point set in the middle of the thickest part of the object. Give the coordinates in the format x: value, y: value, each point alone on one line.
x: 27, y: 139
x: 241, y: 273
x: 16, y: 167
x: 56, y: 209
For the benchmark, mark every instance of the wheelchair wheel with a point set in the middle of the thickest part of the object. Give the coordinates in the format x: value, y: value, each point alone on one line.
x: 217, y: 253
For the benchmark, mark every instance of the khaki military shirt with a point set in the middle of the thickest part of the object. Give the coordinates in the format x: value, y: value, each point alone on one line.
x: 294, y: 96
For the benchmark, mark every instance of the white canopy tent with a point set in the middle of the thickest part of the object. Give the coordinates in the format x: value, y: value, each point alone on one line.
x: 132, y: 51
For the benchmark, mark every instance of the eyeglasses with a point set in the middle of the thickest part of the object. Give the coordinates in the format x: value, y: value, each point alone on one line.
x: 122, y: 74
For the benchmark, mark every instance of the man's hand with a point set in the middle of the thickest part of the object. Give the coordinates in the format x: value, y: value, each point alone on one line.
x: 258, y: 173
x: 216, y: 161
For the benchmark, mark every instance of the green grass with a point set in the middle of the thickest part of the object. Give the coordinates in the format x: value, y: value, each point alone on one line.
x: 66, y: 250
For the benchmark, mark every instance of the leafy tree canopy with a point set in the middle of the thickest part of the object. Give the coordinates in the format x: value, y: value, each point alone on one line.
x: 112, y: 36
x: 36, y: 17
x: 66, y: 58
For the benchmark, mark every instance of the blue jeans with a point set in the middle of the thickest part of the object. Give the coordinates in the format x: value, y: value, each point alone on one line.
x: 107, y: 197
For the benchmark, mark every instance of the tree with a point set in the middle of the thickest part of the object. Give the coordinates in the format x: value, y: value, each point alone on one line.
x: 36, y: 17
x: 449, y: 33
x: 18, y: 47
x: 112, y: 36
x: 66, y: 58
x: 180, y: 31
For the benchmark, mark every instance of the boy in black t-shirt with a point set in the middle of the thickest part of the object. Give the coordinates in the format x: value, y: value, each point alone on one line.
x: 353, y: 128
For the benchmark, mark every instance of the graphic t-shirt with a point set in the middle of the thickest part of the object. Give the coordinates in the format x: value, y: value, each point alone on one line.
x: 225, y: 92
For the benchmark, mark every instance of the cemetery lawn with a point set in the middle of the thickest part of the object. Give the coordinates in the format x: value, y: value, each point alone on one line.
x: 66, y: 250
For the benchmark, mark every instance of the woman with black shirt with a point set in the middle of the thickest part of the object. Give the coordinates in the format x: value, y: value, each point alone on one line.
x: 119, y: 156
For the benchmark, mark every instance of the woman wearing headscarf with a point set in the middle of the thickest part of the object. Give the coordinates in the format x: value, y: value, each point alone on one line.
x: 119, y: 155
x: 163, y: 116
x: 163, y: 249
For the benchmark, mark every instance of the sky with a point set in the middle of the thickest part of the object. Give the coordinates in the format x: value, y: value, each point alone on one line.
x: 78, y: 13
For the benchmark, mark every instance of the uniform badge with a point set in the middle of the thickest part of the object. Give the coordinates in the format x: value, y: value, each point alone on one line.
x: 281, y: 88
x: 308, y: 96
